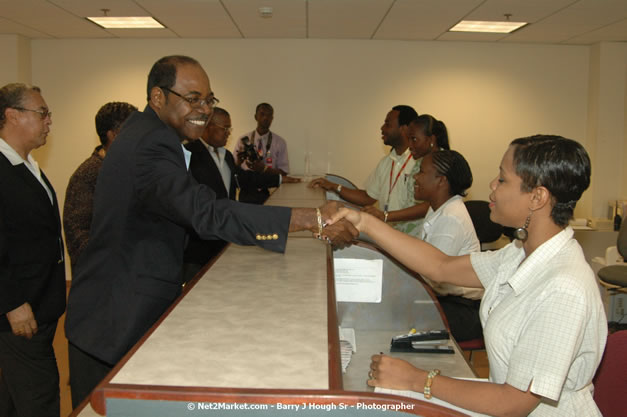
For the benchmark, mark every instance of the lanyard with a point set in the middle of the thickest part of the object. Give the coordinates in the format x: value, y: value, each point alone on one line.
x: 268, y: 155
x: 259, y: 144
x: 392, y: 185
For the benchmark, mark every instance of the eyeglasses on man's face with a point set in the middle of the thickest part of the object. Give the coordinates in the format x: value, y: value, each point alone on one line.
x: 227, y: 130
x: 195, y: 102
x: 42, y: 113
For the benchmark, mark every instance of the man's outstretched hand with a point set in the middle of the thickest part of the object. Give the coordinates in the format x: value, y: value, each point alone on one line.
x: 342, y: 232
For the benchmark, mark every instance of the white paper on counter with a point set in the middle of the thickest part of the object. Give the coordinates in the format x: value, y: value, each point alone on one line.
x: 358, y: 280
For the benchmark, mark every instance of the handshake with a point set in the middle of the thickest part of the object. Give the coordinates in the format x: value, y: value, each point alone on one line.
x: 332, y: 226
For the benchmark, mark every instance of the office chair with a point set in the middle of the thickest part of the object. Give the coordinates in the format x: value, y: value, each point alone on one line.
x: 610, y: 381
x: 487, y: 231
x: 338, y: 180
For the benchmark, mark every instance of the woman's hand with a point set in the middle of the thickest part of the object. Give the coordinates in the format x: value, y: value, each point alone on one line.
x: 358, y: 219
x: 389, y: 372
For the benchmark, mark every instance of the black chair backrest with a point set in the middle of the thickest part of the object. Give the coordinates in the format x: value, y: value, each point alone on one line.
x: 486, y: 229
x: 621, y: 242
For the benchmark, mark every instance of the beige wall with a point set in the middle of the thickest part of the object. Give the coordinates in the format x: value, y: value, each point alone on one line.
x: 16, y: 66
x: 331, y: 96
x: 606, y: 137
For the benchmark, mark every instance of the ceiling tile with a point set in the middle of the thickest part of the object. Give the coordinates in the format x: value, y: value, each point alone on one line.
x: 616, y: 32
x: 193, y: 18
x: 288, y: 21
x: 50, y: 19
x: 8, y: 27
x: 521, y: 11
x: 344, y: 19
x: 423, y: 19
x: 84, y: 8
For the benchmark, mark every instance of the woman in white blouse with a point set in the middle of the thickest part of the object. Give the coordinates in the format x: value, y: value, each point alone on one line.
x: 543, y: 320
x: 442, y: 181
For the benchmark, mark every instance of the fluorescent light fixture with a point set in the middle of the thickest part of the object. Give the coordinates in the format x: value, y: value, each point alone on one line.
x: 130, y: 22
x: 484, y: 26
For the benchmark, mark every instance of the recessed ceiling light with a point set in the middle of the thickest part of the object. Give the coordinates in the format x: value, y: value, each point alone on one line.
x: 130, y: 22
x: 486, y: 26
x: 266, y: 11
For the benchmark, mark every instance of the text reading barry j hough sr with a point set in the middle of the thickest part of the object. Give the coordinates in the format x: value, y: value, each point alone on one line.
x: 297, y: 407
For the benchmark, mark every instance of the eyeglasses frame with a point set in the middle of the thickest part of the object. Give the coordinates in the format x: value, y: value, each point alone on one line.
x: 42, y: 113
x: 210, y: 102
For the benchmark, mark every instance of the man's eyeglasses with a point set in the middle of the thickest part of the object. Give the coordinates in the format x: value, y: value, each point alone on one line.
x: 227, y: 130
x: 42, y: 113
x: 195, y: 101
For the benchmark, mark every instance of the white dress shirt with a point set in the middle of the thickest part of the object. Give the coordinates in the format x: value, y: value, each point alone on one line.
x: 450, y: 229
x: 543, y: 322
x: 218, y: 155
x: 378, y: 184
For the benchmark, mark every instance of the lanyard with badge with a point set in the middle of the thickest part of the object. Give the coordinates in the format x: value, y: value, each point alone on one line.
x: 268, y: 155
x: 392, y: 185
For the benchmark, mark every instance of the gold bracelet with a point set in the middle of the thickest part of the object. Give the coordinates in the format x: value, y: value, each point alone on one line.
x: 430, y: 376
x: 385, y: 216
x: 319, y: 218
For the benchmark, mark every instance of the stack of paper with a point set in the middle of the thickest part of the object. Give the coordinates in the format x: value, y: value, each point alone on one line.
x: 348, y: 345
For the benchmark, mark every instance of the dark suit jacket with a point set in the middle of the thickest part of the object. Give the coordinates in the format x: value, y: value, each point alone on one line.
x: 205, y: 171
x: 145, y: 203
x: 31, y: 247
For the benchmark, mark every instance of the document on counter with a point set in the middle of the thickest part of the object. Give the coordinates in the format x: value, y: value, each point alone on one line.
x: 358, y: 280
x: 434, y: 400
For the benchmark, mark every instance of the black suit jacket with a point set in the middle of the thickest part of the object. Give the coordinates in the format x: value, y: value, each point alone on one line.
x: 31, y: 247
x: 145, y: 203
x: 205, y: 171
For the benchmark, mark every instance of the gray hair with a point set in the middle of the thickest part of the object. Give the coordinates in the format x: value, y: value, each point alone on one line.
x: 12, y: 96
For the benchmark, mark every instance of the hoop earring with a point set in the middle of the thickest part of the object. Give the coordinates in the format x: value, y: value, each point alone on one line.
x: 521, y: 233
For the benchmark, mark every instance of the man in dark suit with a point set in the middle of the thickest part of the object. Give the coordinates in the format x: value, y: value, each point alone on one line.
x: 213, y: 165
x: 32, y: 271
x: 145, y: 203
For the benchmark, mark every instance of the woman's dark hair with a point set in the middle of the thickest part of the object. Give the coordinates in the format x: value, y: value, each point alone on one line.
x: 455, y: 168
x: 432, y: 126
x: 163, y: 72
x: 111, y: 116
x: 560, y: 165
